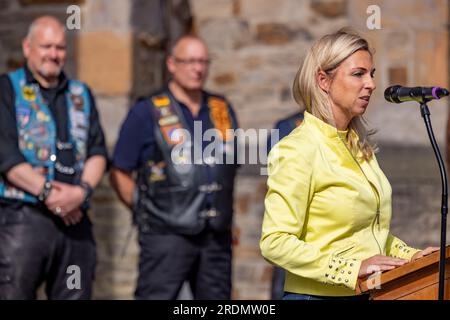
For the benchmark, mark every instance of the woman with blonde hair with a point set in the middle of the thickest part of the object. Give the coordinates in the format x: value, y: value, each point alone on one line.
x: 328, y: 205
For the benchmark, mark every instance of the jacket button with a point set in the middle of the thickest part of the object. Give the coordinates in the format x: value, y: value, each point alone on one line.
x: 346, y: 280
x: 333, y: 277
x: 330, y: 266
x: 349, y: 272
x: 326, y: 275
x: 351, y: 264
x: 342, y: 271
x: 339, y: 279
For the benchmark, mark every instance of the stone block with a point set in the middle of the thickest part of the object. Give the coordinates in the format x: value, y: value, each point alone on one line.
x: 104, y: 62
x: 112, y: 112
x: 242, y: 204
x: 398, y: 75
x: 237, y: 34
x: 212, y: 9
x: 329, y: 8
x: 398, y: 45
x: 253, y: 62
x: 280, y: 11
x: 266, y: 276
x: 224, y: 79
x: 431, y: 58
x: 273, y: 33
x: 247, y: 252
x: 106, y: 16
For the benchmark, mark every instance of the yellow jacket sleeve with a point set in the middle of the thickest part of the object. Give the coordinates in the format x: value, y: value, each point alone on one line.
x: 396, y: 248
x: 290, y: 190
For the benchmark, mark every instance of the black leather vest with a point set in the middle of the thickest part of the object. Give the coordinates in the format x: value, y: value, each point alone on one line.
x: 183, y: 191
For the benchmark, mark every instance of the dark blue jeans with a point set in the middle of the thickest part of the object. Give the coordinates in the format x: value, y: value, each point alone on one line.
x: 299, y: 296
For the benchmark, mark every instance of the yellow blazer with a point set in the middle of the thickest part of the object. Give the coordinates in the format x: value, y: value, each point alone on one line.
x: 325, y: 211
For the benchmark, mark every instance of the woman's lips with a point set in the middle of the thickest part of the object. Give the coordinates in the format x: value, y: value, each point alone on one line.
x: 365, y: 98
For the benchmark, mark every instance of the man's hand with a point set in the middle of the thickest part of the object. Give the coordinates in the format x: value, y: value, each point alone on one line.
x: 379, y: 263
x: 424, y: 253
x: 73, y: 217
x: 64, y: 198
x: 123, y: 183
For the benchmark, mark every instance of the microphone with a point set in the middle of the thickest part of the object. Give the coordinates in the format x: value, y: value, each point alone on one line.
x: 399, y: 94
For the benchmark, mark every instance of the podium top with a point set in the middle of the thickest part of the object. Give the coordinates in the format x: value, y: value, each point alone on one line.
x: 363, y: 285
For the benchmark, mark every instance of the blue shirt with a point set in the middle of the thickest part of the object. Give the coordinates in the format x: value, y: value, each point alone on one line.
x: 137, y: 143
x: 285, y: 126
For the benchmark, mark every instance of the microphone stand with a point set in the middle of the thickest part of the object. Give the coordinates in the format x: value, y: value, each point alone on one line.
x: 444, y: 209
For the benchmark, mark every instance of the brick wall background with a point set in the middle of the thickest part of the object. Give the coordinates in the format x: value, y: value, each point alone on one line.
x: 256, y: 47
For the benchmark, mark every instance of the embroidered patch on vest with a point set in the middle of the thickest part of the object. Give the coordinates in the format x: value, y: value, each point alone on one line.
x: 161, y: 101
x: 77, y: 101
x: 28, y: 93
x: 220, y: 117
x: 43, y: 152
x: 157, y: 172
x: 42, y: 117
x: 171, y: 135
x: 167, y: 119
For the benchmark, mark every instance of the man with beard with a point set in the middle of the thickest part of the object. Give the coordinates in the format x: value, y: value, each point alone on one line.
x: 52, y: 155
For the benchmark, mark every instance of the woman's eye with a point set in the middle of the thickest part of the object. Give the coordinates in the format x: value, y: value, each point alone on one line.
x: 358, y: 74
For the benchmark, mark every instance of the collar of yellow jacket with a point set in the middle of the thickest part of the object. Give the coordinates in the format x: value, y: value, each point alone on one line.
x: 325, y: 128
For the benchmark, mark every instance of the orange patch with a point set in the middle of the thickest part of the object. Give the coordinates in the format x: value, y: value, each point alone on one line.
x: 161, y: 101
x: 220, y: 117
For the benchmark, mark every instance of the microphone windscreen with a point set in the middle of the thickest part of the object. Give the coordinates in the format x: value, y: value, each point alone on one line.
x: 391, y: 92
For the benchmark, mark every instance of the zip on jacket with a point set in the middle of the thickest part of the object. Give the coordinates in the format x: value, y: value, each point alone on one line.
x: 375, y: 191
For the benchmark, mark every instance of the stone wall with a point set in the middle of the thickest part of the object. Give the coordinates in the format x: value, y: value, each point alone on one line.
x: 256, y: 58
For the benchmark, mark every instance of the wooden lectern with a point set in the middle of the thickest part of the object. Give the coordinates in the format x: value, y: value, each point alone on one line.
x: 418, y: 280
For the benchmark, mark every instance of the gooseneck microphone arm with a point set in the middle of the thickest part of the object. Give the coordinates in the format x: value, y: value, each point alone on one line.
x: 444, y: 200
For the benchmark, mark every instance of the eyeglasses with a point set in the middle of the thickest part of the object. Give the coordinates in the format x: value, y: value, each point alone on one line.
x: 191, y: 62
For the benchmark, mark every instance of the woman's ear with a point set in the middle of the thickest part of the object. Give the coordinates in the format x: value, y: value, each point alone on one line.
x: 323, y: 80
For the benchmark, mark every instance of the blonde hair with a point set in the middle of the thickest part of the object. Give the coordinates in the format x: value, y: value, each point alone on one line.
x: 326, y: 55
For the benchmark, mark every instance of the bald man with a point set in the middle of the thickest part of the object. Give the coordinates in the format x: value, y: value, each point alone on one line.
x: 183, y: 196
x: 52, y: 156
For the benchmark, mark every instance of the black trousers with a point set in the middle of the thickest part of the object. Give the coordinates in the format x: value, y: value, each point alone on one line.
x: 167, y: 260
x: 36, y: 247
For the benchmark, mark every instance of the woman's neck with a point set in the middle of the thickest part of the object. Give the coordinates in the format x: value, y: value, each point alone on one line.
x: 341, y: 119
